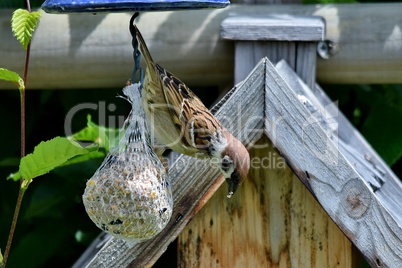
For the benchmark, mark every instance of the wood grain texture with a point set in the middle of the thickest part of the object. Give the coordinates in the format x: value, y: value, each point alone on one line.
x: 85, y: 51
x: 314, y: 155
x: 306, y: 62
x: 301, y: 56
x: 249, y: 53
x: 273, y: 28
x: 299, y: 50
x: 351, y: 143
x: 272, y: 221
x: 194, y: 181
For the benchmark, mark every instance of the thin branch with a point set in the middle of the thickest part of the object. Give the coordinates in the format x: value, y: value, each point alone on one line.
x: 23, y: 100
x: 21, y: 191
x: 29, y: 6
x: 13, y: 226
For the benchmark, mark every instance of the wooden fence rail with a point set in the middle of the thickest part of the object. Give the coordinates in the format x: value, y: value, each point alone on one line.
x: 83, y: 51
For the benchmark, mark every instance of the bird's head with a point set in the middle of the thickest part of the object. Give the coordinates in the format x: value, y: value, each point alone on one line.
x: 235, y: 163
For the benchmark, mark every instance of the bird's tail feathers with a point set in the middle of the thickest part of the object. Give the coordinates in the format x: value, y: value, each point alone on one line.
x: 144, y: 49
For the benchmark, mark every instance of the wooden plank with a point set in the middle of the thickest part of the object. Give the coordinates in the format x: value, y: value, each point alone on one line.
x: 252, y: 37
x: 301, y: 56
x: 85, y: 51
x: 314, y: 156
x: 194, y: 181
x: 306, y: 62
x: 272, y: 221
x: 352, y: 144
x: 249, y: 53
x: 273, y: 28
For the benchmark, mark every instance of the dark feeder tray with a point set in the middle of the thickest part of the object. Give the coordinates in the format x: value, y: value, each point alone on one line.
x: 92, y: 6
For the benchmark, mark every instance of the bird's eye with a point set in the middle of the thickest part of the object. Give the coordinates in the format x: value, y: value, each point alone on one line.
x: 226, y: 162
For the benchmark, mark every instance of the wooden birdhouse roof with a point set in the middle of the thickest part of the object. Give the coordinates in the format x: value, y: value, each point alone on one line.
x: 348, y: 179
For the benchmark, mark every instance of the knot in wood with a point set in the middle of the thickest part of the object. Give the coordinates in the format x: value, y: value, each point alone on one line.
x: 356, y: 199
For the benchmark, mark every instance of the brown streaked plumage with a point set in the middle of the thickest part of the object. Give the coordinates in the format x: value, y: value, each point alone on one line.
x: 180, y: 121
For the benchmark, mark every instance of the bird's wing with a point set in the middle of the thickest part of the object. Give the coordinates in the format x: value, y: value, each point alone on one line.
x: 192, y: 119
x: 197, y: 123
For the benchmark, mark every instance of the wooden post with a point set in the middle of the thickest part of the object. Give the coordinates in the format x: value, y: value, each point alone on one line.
x: 292, y: 38
x: 272, y: 220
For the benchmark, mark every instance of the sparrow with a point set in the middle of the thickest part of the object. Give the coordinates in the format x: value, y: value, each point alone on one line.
x: 181, y: 122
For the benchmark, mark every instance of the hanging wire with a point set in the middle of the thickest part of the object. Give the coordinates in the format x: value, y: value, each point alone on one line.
x: 137, y: 70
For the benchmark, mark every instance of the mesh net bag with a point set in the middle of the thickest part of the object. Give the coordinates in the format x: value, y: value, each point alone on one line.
x: 129, y: 195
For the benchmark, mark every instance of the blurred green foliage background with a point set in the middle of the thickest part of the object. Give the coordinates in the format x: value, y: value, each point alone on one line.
x: 53, y: 228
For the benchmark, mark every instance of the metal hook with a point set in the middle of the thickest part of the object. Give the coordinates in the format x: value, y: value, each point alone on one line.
x: 136, y: 52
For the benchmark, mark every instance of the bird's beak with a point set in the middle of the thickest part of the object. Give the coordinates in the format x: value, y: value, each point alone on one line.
x: 233, y: 183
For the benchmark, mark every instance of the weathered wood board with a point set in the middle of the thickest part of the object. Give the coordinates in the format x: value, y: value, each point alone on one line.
x: 273, y: 27
x: 272, y: 221
x: 371, y: 222
x: 277, y: 37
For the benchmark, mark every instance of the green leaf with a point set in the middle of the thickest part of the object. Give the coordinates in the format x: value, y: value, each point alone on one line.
x: 49, y: 155
x: 85, y: 157
x: 105, y: 137
x: 66, y: 151
x: 75, y: 160
x: 23, y: 24
x: 14, y: 176
x: 11, y: 76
